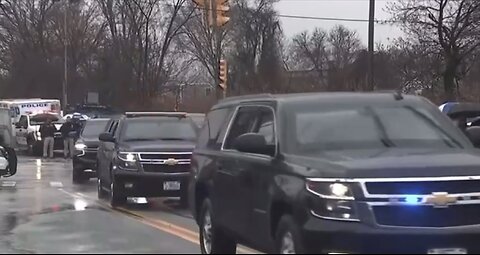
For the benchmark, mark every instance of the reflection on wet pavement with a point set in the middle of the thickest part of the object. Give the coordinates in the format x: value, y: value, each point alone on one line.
x: 41, y: 211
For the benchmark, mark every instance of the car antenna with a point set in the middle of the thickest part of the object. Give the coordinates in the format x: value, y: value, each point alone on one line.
x: 398, y: 95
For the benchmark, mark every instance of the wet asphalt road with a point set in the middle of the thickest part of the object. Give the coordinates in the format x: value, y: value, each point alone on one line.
x: 41, y: 211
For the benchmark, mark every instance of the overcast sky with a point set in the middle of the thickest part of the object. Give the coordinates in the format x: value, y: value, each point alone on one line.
x: 350, y: 9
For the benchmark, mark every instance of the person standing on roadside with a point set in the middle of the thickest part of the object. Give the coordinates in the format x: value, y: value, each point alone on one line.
x: 47, y: 131
x: 68, y: 134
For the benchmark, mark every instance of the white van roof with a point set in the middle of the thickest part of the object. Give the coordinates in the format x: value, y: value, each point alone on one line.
x: 19, y: 101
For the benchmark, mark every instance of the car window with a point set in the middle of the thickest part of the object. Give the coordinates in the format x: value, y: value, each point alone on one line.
x: 93, y: 129
x: 113, y: 127
x: 116, y: 129
x: 158, y: 128
x: 366, y: 127
x: 215, y: 122
x: 245, y: 121
x: 23, y: 122
x: 267, y: 127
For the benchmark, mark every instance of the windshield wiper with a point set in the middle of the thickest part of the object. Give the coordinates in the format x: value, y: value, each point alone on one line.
x: 138, y: 140
x: 173, y: 139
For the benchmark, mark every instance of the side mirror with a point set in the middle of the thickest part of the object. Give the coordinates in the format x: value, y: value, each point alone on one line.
x: 106, y: 137
x: 473, y: 134
x: 253, y: 143
x: 17, y: 125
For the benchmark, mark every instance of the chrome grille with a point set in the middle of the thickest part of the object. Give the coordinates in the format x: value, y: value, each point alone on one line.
x: 153, y: 168
x: 423, y: 187
x: 165, y: 156
x: 427, y: 216
x: 165, y: 162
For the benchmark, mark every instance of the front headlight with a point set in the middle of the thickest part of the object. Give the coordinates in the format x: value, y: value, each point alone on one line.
x: 80, y: 146
x: 127, y: 161
x: 334, y: 201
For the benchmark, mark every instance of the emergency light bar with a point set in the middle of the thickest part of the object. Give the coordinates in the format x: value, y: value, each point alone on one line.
x: 156, y: 114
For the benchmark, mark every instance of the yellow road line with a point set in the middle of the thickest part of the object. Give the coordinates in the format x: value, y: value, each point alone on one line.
x: 165, y: 226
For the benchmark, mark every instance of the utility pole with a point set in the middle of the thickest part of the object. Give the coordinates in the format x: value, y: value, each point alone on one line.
x: 218, y: 45
x: 65, y: 78
x: 371, y: 49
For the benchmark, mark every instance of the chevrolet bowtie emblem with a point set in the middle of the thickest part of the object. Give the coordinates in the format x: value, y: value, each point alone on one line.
x: 440, y: 199
x: 171, y: 162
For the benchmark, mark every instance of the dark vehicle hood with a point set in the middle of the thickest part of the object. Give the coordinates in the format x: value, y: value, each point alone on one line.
x: 90, y: 141
x: 388, y: 163
x: 157, y: 146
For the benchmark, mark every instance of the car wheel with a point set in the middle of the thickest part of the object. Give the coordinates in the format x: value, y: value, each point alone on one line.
x: 288, y: 239
x: 78, y: 177
x: 117, y: 197
x: 100, y: 192
x: 37, y: 149
x: 184, y: 199
x: 212, y: 239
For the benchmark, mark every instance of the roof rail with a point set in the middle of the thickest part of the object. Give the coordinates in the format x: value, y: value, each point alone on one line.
x: 156, y: 114
x: 397, y: 94
x: 253, y: 96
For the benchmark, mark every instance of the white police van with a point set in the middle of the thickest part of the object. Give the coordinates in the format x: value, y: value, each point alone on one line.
x: 19, y: 107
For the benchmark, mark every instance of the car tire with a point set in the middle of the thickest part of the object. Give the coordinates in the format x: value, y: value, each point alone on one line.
x: 212, y: 239
x: 100, y: 191
x: 117, y: 194
x: 78, y: 177
x: 36, y: 148
x: 184, y: 199
x: 288, y: 238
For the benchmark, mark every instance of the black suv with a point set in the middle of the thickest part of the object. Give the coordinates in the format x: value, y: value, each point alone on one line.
x: 146, y: 155
x: 335, y: 173
x: 86, y: 148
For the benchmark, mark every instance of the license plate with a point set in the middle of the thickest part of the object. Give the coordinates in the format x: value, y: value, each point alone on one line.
x: 171, y: 186
x: 448, y: 251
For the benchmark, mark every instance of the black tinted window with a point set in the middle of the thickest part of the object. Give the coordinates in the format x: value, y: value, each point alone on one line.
x: 267, y: 127
x: 158, y: 128
x: 23, y: 121
x: 244, y: 122
x: 94, y: 128
x: 215, y: 122
x: 366, y: 127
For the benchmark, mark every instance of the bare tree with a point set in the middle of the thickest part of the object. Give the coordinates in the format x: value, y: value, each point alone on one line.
x: 344, y: 46
x: 310, y: 51
x: 450, y: 28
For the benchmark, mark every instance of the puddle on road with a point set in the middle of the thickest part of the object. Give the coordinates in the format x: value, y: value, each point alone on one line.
x: 78, y: 205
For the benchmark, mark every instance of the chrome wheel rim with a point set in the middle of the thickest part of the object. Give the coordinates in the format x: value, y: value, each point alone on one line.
x: 288, y: 246
x: 207, y: 233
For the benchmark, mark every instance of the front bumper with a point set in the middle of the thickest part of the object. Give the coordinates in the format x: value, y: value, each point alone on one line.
x: 141, y: 184
x: 85, y: 161
x: 326, y: 236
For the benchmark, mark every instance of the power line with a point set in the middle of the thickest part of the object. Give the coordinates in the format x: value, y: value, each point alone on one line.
x: 289, y: 16
x: 383, y: 22
x: 334, y: 0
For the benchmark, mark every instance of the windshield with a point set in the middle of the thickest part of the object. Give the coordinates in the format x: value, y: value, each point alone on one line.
x: 159, y: 128
x: 94, y: 128
x: 367, y: 127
